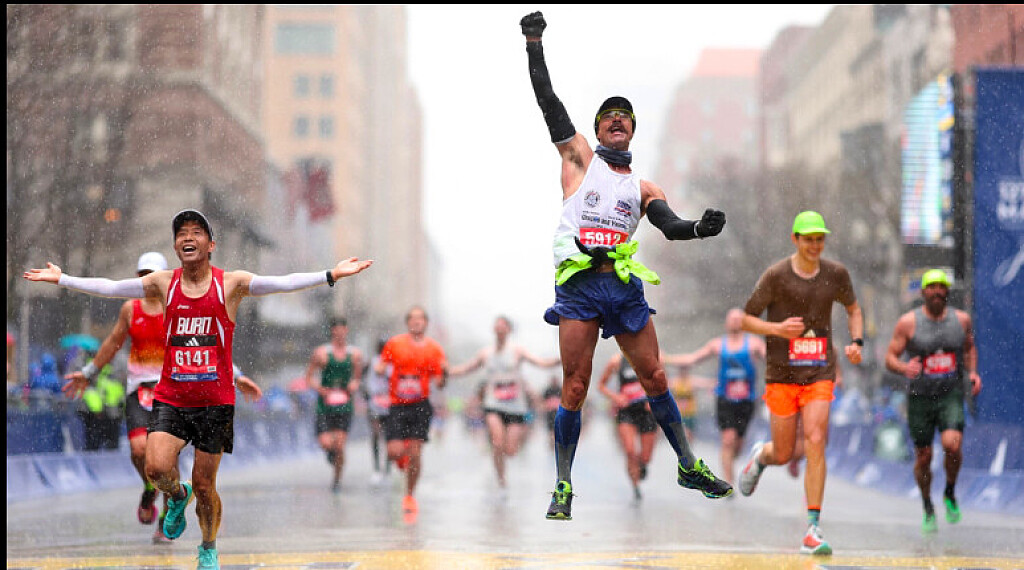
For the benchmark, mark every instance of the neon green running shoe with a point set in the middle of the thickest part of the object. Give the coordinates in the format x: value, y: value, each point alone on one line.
x: 701, y: 478
x: 560, y: 508
x: 952, y: 510
x: 928, y: 525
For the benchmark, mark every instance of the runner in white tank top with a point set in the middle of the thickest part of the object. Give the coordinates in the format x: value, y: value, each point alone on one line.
x: 598, y: 288
x: 507, y: 395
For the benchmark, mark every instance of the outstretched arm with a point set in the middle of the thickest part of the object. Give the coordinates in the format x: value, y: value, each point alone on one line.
x: 573, y: 148
x: 537, y: 361
x: 79, y: 381
x: 250, y: 284
x: 686, y: 360
x: 675, y: 228
x: 125, y: 288
x: 470, y: 366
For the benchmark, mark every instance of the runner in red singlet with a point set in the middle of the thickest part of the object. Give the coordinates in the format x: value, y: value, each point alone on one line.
x: 194, y: 401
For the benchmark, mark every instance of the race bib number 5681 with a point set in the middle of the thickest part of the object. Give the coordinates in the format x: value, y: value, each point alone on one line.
x: 808, y: 351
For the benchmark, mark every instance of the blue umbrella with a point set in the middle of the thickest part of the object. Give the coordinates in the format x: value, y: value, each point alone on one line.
x: 83, y: 341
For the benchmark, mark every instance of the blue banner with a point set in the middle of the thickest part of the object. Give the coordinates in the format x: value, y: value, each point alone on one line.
x: 999, y: 243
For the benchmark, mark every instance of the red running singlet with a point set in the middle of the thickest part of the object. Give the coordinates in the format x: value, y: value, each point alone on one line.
x: 197, y: 361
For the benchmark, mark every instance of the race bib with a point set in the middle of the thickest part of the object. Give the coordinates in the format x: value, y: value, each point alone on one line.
x: 808, y: 351
x: 336, y: 397
x: 194, y: 364
x: 409, y: 388
x: 738, y: 390
x: 506, y: 391
x: 634, y: 392
x: 940, y: 365
x: 602, y: 237
x: 146, y: 397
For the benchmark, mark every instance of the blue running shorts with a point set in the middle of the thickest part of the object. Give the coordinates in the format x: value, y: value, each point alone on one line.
x: 619, y: 307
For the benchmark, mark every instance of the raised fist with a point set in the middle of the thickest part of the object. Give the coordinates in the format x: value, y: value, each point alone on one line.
x: 711, y: 223
x: 533, y: 25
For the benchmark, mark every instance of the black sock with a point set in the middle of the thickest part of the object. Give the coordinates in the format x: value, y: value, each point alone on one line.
x: 949, y: 491
x: 929, y: 508
x: 210, y: 545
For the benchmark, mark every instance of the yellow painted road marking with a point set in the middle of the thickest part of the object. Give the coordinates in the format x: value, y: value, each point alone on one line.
x: 388, y: 560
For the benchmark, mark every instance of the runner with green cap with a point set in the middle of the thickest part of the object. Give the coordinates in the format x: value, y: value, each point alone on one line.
x: 939, y: 343
x: 798, y: 293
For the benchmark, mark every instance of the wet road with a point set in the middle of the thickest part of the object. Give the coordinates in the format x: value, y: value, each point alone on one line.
x: 283, y: 515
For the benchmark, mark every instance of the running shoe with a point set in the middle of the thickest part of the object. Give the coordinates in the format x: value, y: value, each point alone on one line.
x: 751, y: 473
x: 409, y: 504
x: 174, y: 521
x: 207, y: 559
x: 701, y: 478
x: 561, y: 502
x: 928, y: 525
x: 952, y: 510
x: 147, y: 511
x: 814, y: 544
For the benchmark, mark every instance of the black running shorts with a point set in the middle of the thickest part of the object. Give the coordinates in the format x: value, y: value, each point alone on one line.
x: 638, y: 415
x: 409, y: 421
x: 210, y: 429
x: 734, y: 414
x: 333, y: 422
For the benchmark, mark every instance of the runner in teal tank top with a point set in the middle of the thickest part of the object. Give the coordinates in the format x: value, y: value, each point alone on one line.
x: 340, y: 369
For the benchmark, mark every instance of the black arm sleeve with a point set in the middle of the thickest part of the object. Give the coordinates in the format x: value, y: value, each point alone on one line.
x: 557, y: 119
x: 669, y: 223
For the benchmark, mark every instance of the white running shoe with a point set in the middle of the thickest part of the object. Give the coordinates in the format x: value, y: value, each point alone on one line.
x: 814, y: 544
x: 751, y: 473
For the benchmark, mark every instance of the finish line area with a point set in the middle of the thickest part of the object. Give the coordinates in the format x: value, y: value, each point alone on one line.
x: 508, y: 561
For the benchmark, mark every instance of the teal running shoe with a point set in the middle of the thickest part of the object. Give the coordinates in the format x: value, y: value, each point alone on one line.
x: 208, y: 559
x: 952, y: 510
x: 814, y: 544
x: 174, y: 520
x: 701, y: 478
x: 561, y: 502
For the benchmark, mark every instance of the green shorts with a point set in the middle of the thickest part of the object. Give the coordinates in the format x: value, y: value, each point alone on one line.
x: 928, y: 414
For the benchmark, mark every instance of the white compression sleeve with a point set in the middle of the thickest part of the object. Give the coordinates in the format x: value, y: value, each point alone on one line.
x: 123, y: 289
x: 265, y: 285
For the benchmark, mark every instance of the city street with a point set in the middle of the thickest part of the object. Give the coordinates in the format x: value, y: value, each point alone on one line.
x: 283, y: 515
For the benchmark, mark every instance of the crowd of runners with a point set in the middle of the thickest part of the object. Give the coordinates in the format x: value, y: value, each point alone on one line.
x: 183, y: 382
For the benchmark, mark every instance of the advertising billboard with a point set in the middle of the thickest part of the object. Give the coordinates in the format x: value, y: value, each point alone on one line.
x: 999, y: 243
x: 926, y: 211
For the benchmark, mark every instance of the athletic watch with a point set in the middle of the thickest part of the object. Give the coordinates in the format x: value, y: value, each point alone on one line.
x: 858, y: 342
x: 330, y: 279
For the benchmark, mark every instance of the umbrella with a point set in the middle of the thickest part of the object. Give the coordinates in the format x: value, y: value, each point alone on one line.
x: 83, y: 341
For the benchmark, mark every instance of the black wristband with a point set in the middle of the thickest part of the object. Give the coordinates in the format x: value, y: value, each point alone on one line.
x: 330, y: 279
x: 858, y: 342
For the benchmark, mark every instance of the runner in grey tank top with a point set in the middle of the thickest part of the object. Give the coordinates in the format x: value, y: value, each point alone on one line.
x: 939, y: 343
x: 507, y: 395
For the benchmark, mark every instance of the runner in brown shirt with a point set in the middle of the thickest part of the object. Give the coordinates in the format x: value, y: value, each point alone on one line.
x: 798, y: 293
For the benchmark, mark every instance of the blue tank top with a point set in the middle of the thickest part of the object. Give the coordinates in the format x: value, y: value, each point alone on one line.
x: 736, y: 372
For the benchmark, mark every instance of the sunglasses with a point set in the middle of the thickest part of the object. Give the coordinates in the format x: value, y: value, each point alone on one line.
x: 615, y: 114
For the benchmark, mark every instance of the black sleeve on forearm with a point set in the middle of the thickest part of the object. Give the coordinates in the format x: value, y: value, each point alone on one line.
x: 669, y: 223
x: 557, y: 119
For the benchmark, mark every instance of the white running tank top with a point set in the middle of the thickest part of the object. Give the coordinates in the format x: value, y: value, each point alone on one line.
x: 504, y: 391
x: 605, y: 211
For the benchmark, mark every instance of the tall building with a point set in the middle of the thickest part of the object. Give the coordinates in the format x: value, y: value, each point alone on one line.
x: 118, y: 117
x: 343, y: 133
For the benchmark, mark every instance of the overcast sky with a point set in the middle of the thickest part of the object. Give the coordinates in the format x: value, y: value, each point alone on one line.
x: 491, y: 186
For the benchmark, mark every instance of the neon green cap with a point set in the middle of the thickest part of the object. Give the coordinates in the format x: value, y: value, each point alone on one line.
x: 809, y: 223
x: 933, y: 276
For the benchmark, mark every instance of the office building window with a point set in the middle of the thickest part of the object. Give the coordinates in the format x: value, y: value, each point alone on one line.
x: 301, y: 86
x: 301, y: 127
x: 326, y: 127
x: 327, y: 86
x: 304, y: 39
